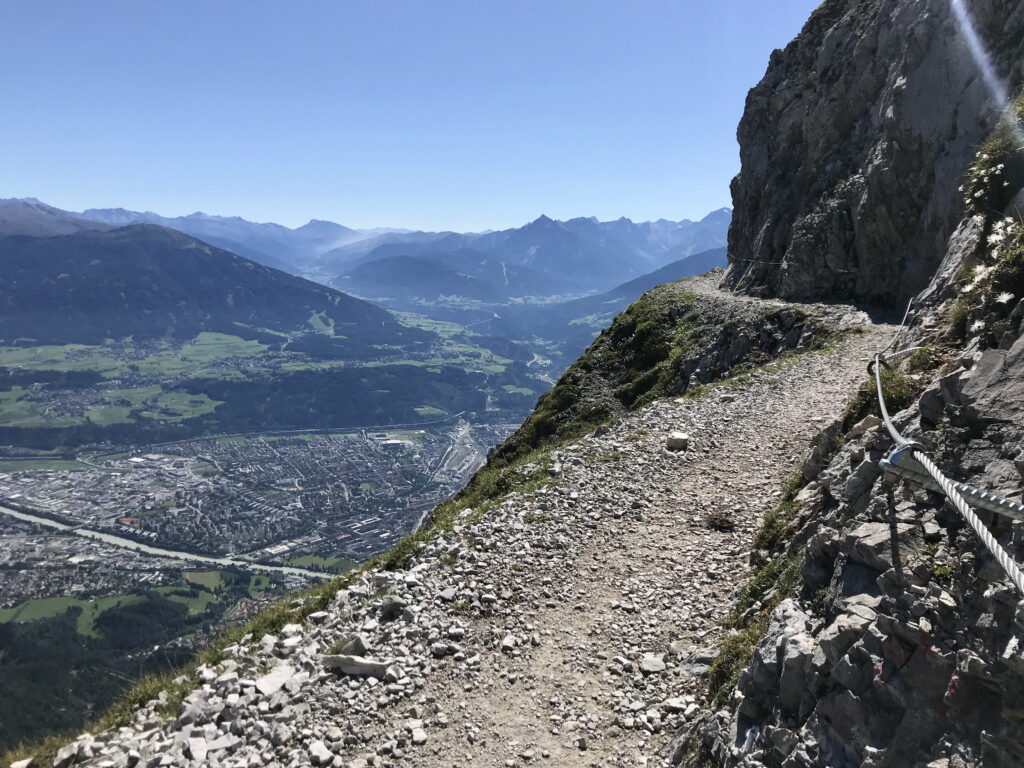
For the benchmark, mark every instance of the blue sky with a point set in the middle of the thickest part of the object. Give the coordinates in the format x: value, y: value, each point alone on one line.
x: 438, y: 114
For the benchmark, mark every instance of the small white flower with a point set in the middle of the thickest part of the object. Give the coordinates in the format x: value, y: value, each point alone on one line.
x: 980, y: 273
x: 960, y: 188
x: 978, y: 193
x: 976, y: 326
x: 1006, y: 183
x: 1004, y: 298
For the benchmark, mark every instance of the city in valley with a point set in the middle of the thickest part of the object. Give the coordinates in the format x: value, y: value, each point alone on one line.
x: 223, y: 522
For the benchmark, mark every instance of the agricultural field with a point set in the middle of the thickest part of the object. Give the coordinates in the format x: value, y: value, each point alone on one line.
x: 48, y: 607
x: 51, y: 465
x: 127, y: 391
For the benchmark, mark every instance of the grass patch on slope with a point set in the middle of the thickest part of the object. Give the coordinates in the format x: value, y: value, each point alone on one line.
x: 899, y: 391
x: 639, y: 358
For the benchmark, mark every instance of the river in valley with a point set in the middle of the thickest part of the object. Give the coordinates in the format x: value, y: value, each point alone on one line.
x: 119, y: 541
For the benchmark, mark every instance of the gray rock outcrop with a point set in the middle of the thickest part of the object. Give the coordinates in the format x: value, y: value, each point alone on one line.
x: 854, y: 144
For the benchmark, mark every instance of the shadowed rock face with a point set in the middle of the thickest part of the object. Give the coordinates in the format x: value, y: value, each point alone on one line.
x: 854, y: 144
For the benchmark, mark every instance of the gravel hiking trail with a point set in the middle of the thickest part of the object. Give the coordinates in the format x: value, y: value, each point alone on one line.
x: 601, y: 654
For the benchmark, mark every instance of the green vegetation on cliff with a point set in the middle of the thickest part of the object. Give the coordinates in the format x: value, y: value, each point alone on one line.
x: 667, y: 341
x: 998, y: 169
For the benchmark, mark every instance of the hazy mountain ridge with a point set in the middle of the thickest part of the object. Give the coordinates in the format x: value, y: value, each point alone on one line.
x: 412, y: 277
x: 148, y: 281
x: 576, y: 256
x: 33, y: 218
x: 544, y: 257
x: 267, y: 243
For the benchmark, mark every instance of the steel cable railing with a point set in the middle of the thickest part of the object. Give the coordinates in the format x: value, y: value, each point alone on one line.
x: 897, y: 461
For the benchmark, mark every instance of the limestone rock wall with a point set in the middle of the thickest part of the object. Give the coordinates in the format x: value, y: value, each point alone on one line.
x: 854, y: 144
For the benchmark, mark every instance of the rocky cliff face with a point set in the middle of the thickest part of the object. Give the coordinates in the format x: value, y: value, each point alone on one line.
x: 900, y: 644
x: 891, y: 637
x: 854, y: 144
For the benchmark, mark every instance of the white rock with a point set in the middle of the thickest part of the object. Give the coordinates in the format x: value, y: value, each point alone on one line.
x: 651, y: 664
x: 320, y: 754
x: 271, y: 682
x: 197, y: 748
x: 448, y: 594
x: 867, y: 423
x: 356, y: 665
x: 674, y: 705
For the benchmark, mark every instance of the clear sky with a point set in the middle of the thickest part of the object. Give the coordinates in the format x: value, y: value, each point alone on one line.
x: 435, y: 114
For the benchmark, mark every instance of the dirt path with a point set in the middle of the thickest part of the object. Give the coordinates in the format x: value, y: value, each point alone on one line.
x: 654, y: 578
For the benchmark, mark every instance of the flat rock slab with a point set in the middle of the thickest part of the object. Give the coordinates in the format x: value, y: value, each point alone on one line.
x: 275, y: 679
x: 651, y: 664
x: 358, y: 666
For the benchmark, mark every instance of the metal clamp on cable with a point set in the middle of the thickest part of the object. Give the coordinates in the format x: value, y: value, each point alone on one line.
x: 901, y: 462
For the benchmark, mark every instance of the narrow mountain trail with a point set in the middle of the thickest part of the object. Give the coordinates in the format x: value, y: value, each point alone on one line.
x: 629, y: 623
x: 571, y: 624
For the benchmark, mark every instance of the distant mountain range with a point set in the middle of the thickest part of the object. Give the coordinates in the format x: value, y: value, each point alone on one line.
x: 108, y: 273
x: 273, y: 245
x: 542, y: 258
